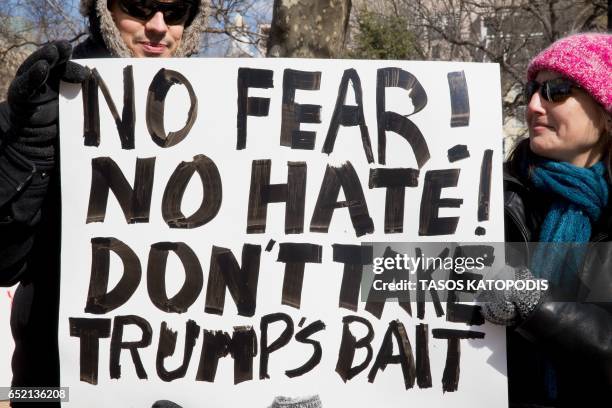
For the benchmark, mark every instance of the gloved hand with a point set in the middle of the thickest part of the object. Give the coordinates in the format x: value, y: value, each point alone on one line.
x: 507, y: 307
x: 33, y: 99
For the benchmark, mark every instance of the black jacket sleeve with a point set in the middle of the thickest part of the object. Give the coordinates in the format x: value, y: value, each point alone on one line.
x: 23, y: 186
x: 581, y: 330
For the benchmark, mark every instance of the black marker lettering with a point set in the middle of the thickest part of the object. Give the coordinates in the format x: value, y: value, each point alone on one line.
x: 156, y: 277
x: 117, y: 344
x: 99, y: 300
x: 348, y: 345
x: 460, y: 99
x: 349, y: 115
x: 242, y: 346
x: 212, y: 193
x: 375, y: 303
x: 404, y: 358
x: 91, y: 109
x: 484, y: 189
x: 156, y: 101
x: 240, y: 281
x: 167, y: 344
x: 89, y: 332
x: 251, y: 106
x: 344, y: 177
x: 91, y: 112
x: 398, y: 123
x: 486, y: 252
x: 303, y: 337
x: 270, y: 245
x: 281, y: 341
x: 354, y: 257
x: 423, y: 370
x: 395, y: 181
x: 430, y: 223
x: 294, y: 114
x: 135, y: 202
x: 214, y: 346
x: 459, y: 312
x: 295, y: 256
x: 450, y: 377
x: 262, y: 193
x: 458, y: 152
x: 426, y: 276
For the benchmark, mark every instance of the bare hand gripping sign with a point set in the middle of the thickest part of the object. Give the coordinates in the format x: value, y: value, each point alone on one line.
x: 213, y: 215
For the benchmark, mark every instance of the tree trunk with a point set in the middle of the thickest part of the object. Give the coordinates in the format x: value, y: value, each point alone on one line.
x: 308, y: 29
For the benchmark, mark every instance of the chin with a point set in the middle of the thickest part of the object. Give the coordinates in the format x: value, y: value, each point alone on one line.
x: 534, y: 145
x: 540, y: 149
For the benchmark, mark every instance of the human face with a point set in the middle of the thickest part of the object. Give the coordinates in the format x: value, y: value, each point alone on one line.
x: 151, y: 38
x: 570, y: 130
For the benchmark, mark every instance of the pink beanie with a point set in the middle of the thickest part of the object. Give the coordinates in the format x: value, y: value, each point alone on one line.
x: 586, y: 59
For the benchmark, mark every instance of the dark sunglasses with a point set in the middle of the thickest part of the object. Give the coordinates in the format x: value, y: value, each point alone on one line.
x: 175, y: 13
x: 553, y: 90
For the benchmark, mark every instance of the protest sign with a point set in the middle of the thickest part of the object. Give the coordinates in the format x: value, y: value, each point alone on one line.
x: 212, y: 216
x: 7, y: 345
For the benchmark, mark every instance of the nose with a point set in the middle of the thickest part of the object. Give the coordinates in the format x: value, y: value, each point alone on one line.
x: 157, y: 24
x: 535, y: 105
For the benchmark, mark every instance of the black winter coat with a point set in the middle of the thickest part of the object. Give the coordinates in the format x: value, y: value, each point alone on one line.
x: 576, y: 337
x: 30, y: 225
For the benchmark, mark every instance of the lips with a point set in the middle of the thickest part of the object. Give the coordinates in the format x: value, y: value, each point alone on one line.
x: 153, y: 47
x: 539, y: 127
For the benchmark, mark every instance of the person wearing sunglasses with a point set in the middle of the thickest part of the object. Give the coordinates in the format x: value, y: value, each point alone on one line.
x: 556, y: 189
x: 142, y: 28
x: 29, y: 177
x: 153, y: 28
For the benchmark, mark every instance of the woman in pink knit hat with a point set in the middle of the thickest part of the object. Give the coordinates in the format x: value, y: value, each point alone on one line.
x: 556, y: 191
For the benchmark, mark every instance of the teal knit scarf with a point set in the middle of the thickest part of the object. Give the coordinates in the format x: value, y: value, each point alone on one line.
x: 580, y: 195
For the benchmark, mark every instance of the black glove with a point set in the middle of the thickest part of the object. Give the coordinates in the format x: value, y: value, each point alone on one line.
x: 33, y: 99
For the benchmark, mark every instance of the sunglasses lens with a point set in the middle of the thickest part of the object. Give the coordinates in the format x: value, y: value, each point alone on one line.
x: 554, y: 90
x: 530, y: 89
x: 136, y: 8
x: 558, y: 90
x: 174, y: 13
x: 177, y: 14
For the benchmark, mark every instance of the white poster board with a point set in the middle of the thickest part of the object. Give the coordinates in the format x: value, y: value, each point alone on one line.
x: 110, y: 330
x: 7, y: 345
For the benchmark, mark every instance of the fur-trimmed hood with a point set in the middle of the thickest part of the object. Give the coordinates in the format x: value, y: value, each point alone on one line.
x: 108, y: 32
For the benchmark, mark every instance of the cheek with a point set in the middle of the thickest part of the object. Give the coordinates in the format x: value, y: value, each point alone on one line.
x: 127, y: 29
x: 583, y: 133
x: 582, y: 123
x: 176, y: 32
